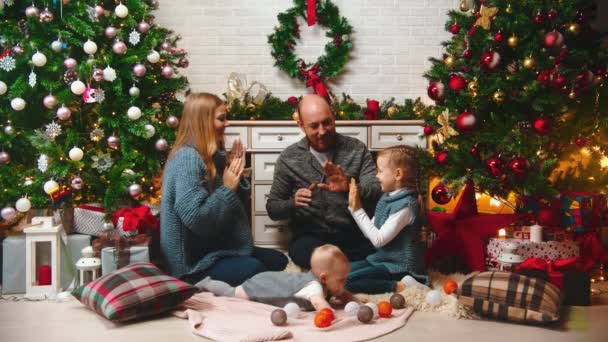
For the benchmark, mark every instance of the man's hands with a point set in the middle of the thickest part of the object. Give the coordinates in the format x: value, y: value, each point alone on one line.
x: 354, y: 200
x: 303, y: 196
x: 336, y: 179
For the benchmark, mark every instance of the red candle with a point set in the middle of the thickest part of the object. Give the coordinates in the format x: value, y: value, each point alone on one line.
x: 44, y: 275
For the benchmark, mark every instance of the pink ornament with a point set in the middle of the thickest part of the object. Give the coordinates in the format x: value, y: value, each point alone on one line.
x: 111, y: 32
x: 49, y: 101
x: 172, y: 121
x: 98, y: 75
x: 554, y: 39
x: 77, y: 183
x: 139, y: 70
x: 119, y: 47
x: 167, y: 71
x: 465, y: 122
x: 17, y: 50
x: 99, y: 10
x: 70, y: 63
x: 165, y: 46
x: 143, y: 27
x: 32, y: 11
x: 64, y: 113
x: 184, y: 62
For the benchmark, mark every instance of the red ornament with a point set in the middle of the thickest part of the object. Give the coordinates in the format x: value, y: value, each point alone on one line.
x: 538, y: 19
x: 474, y: 151
x: 552, y: 14
x: 455, y: 28
x: 457, y: 82
x: 554, y: 39
x: 559, y: 82
x: 519, y: 166
x: 428, y: 130
x: 449, y: 286
x: 580, y: 17
x: 385, y: 309
x: 580, y: 141
x: 465, y: 122
x: 467, y: 53
x: 499, y: 37
x: 542, y: 125
x: 441, y: 194
x: 495, y: 166
x: 489, y: 60
x: 584, y: 80
x: 322, y: 320
x: 544, y: 77
x: 442, y: 157
x: 436, y: 90
x: 293, y: 101
x: 329, y: 313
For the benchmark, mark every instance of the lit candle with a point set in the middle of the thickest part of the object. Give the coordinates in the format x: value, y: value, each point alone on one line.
x: 502, y: 233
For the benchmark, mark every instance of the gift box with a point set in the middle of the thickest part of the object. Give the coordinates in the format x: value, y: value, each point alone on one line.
x: 546, y: 250
x: 113, y: 259
x: 131, y: 221
x: 13, y: 260
x: 582, y: 211
x: 89, y: 219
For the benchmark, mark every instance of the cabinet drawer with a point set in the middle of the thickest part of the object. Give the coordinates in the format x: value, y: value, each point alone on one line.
x: 263, y: 166
x: 386, y: 136
x: 359, y: 133
x: 267, y: 231
x: 274, y: 137
x: 233, y: 133
x: 261, y: 196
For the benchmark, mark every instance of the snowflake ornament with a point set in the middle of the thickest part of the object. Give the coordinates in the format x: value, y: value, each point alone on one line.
x: 109, y: 74
x: 102, y: 162
x: 53, y: 130
x: 32, y: 79
x: 97, y: 134
x: 9, y: 3
x: 92, y: 14
x: 99, y: 95
x: 7, y: 63
x: 43, y: 163
x: 134, y: 37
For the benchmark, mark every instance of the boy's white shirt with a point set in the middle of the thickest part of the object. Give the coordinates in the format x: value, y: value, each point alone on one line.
x: 391, y: 227
x: 311, y: 289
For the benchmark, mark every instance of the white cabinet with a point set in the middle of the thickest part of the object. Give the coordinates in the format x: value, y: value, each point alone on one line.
x: 265, y: 140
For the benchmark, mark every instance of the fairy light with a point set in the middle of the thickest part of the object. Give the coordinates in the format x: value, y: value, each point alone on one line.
x: 604, y: 162
x: 494, y: 202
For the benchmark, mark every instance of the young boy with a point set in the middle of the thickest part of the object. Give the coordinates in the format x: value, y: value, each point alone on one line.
x: 329, y: 268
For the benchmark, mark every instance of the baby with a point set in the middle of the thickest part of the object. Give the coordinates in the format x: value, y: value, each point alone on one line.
x: 329, y: 268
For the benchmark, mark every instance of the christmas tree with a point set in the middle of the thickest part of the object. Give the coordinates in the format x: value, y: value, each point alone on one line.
x: 519, y: 91
x: 87, y: 102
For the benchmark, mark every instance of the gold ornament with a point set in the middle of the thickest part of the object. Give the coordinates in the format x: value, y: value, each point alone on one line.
x: 252, y: 118
x: 513, y: 41
x: 156, y: 105
x: 574, y: 28
x: 509, y: 9
x: 445, y: 131
x: 449, y: 61
x: 464, y: 6
x: 529, y: 63
x: 572, y: 95
x: 512, y: 68
x: 341, y: 114
x: 473, y: 86
x: 349, y: 101
x: 499, y: 96
x: 251, y: 107
x: 474, y: 94
x: 485, y: 20
x: 391, y: 111
x: 295, y: 116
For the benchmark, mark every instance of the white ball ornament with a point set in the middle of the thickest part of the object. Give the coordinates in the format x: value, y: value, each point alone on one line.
x: 121, y: 11
x: 134, y: 113
x: 23, y: 205
x: 150, y: 131
x: 153, y: 57
x: 18, y: 103
x: 134, y: 91
x: 77, y: 87
x: 90, y: 47
x: 39, y: 59
x: 8, y: 213
x: 50, y: 186
x: 56, y: 45
x: 374, y: 308
x: 433, y: 297
x: 292, y: 310
x: 3, y: 88
x: 76, y: 154
x: 109, y: 74
x: 351, y: 308
x: 161, y: 145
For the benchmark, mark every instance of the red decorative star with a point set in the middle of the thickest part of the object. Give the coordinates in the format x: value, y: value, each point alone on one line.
x: 463, y: 232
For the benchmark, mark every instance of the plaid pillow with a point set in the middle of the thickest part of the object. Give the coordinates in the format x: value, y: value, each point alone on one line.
x: 511, y: 297
x: 134, y: 291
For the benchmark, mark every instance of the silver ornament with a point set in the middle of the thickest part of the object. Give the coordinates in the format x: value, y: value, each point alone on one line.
x: 46, y: 16
x: 49, y: 101
x: 134, y: 91
x: 110, y: 32
x: 167, y: 71
x: 165, y: 46
x: 119, y: 47
x: 113, y: 141
x: 28, y: 181
x: 77, y: 183
x: 143, y: 27
x: 17, y: 50
x: 56, y: 45
x: 134, y: 190
x: 9, y: 130
x: 5, y: 158
x: 172, y: 121
x: 161, y: 145
x: 8, y: 213
x: 98, y: 75
x: 32, y: 11
x: 108, y: 226
x: 64, y: 113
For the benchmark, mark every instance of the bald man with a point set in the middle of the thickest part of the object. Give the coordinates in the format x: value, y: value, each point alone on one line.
x: 310, y: 186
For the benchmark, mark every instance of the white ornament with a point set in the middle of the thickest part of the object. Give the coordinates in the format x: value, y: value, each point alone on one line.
x: 23, y: 205
x: 109, y: 74
x: 121, y: 11
x: 32, y: 78
x: 8, y: 63
x: 39, y: 59
x: 292, y: 310
x: 134, y: 113
x: 433, y: 297
x: 374, y: 308
x: 78, y: 87
x: 90, y: 47
x: 150, y: 130
x: 102, y: 162
x: 128, y: 172
x: 99, y: 95
x: 18, y: 103
x: 3, y: 88
x: 50, y: 186
x: 8, y: 213
x: 28, y: 181
x: 153, y: 57
x: 53, y: 130
x: 133, y: 91
x: 76, y: 154
x: 134, y: 37
x: 351, y: 308
x: 43, y: 163
x: 56, y: 45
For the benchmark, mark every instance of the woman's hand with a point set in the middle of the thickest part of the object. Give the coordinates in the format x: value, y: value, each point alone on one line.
x: 234, y: 172
x: 237, y: 151
x: 354, y: 201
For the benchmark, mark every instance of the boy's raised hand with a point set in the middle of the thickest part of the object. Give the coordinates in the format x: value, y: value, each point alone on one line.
x: 354, y: 201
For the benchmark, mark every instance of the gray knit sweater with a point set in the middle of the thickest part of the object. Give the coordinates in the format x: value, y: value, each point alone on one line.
x: 328, y: 212
x: 198, y: 226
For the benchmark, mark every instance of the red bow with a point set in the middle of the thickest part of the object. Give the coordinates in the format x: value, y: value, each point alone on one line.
x: 139, y: 218
x: 311, y: 12
x: 373, y: 108
x: 5, y: 53
x: 554, y: 268
x: 314, y: 80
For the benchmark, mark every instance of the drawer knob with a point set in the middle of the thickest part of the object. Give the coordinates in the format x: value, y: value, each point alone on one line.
x: 279, y: 137
x: 399, y: 138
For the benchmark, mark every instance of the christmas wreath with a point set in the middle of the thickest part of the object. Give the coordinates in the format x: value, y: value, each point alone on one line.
x: 327, y: 66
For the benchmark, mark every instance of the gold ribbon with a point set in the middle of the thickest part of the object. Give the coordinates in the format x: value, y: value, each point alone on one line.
x: 239, y: 90
x: 487, y: 13
x: 445, y: 130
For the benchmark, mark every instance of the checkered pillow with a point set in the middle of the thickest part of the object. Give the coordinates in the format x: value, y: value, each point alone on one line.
x: 134, y: 291
x: 511, y: 297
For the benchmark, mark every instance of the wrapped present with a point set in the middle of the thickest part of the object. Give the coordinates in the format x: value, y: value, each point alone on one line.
x: 582, y: 211
x: 130, y: 221
x: 547, y: 250
x: 545, y: 213
x: 113, y: 259
x: 121, y: 248
x: 89, y: 219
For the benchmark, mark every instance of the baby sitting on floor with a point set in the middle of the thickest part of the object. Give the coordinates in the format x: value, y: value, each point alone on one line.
x: 327, y: 276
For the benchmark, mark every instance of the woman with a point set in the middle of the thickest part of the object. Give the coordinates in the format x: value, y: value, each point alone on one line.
x: 204, y: 226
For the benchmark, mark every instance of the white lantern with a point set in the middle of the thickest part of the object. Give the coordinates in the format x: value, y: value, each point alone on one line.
x: 153, y: 57
x: 150, y: 130
x: 90, y: 47
x: 39, y: 59
x: 134, y: 113
x: 76, y: 154
x: 23, y: 205
x: 18, y: 103
x: 78, y: 87
x: 121, y: 11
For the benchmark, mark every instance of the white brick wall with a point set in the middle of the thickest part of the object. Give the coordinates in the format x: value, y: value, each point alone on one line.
x: 393, y: 41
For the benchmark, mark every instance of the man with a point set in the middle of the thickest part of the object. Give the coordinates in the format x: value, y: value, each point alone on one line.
x: 310, y: 186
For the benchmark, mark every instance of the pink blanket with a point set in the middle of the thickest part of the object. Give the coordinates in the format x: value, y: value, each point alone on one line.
x: 233, y: 319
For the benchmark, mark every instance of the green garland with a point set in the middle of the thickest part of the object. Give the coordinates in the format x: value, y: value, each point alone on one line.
x: 283, y: 41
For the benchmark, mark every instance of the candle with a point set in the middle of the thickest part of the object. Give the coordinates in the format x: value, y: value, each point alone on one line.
x: 536, y: 233
x: 44, y: 275
x: 502, y: 233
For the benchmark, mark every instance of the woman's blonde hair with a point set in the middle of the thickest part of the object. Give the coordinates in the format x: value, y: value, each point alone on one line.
x: 197, y: 128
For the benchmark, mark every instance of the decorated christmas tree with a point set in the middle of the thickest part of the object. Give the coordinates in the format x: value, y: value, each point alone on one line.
x: 521, y: 100
x: 89, y: 103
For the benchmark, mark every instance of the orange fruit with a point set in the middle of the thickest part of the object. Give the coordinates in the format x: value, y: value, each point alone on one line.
x: 449, y: 286
x: 385, y: 309
x: 329, y: 312
x: 322, y: 320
